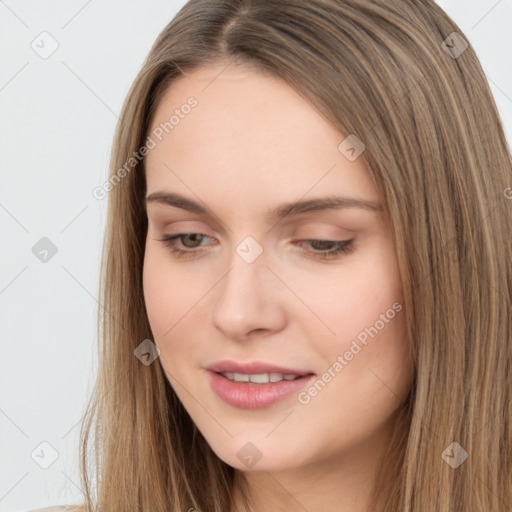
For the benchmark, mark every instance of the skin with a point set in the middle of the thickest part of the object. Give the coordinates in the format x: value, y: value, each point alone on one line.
x: 251, y: 144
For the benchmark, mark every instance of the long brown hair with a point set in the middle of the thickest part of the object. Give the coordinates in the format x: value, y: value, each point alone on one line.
x: 394, y: 74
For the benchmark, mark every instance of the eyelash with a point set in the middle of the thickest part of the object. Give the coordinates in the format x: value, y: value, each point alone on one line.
x: 342, y: 246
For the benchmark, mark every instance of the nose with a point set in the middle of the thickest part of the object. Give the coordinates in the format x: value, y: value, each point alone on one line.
x: 249, y: 300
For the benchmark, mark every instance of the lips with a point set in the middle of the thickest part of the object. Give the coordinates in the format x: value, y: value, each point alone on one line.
x: 251, y: 396
x: 254, y: 367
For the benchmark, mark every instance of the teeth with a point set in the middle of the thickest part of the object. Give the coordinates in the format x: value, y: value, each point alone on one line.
x: 259, y: 378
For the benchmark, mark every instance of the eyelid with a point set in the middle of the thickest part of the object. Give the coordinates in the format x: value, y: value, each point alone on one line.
x: 341, y: 247
x: 323, y: 230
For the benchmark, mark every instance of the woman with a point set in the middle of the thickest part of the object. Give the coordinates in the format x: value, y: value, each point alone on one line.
x: 307, y: 268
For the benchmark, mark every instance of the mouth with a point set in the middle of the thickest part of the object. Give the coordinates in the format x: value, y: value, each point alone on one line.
x: 230, y: 368
x: 259, y: 379
x: 256, y: 391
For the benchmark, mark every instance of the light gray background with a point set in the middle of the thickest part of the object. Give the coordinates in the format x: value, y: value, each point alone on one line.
x: 58, y: 118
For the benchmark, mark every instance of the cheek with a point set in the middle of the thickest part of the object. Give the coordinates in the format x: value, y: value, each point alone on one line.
x: 155, y: 284
x: 353, y: 296
x: 177, y: 307
x: 168, y: 294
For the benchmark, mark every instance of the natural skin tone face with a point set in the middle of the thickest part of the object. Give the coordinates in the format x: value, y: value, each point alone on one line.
x: 250, y: 145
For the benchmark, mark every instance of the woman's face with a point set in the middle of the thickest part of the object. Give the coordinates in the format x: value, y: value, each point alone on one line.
x: 257, y: 288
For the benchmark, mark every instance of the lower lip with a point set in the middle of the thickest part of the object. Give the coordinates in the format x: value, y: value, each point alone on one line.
x: 255, y: 396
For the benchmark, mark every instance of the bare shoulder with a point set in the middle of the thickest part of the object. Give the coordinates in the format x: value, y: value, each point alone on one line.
x: 59, y: 508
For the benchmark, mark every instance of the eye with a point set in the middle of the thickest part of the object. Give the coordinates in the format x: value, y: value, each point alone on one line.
x: 339, y: 247
x: 170, y: 241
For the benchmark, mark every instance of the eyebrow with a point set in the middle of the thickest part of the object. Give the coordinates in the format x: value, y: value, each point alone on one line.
x: 280, y: 212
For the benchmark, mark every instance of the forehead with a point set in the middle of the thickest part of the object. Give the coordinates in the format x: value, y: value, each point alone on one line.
x: 247, y: 104
x: 251, y: 131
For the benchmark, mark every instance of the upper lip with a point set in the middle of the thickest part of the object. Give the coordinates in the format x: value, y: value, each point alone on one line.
x: 253, y: 367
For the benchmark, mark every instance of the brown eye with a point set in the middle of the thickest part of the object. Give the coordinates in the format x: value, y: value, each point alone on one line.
x: 189, y: 241
x: 194, y: 238
x: 319, y: 246
x: 322, y: 245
